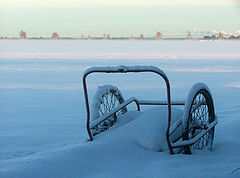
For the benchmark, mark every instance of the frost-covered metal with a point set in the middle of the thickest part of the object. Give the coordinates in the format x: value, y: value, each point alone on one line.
x: 197, y: 122
x: 199, y: 119
x: 99, y: 97
x: 123, y: 68
x: 106, y: 99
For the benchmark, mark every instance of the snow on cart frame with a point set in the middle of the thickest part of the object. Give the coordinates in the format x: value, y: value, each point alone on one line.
x: 196, y: 126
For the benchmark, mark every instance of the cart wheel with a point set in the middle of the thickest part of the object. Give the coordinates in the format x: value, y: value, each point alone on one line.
x: 198, y: 114
x: 105, y: 100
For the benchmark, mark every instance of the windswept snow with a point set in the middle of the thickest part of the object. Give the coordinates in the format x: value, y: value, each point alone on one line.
x: 123, y: 49
x: 43, y: 116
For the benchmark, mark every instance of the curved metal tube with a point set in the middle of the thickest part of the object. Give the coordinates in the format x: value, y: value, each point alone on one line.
x: 125, y: 69
x: 112, y: 112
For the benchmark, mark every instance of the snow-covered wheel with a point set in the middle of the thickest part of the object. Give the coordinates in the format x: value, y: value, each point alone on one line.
x: 105, y: 100
x: 198, y: 114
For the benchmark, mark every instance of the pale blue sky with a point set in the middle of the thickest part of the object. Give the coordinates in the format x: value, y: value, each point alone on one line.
x: 119, y: 18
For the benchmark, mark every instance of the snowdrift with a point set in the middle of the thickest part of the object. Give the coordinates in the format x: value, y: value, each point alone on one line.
x: 42, y: 116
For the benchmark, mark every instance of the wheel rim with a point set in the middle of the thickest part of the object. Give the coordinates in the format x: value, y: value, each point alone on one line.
x: 108, y: 101
x: 201, y: 115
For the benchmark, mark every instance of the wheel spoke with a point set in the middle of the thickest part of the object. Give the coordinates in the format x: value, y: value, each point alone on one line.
x: 110, y: 99
x: 105, y: 107
x: 200, y: 117
x: 106, y: 102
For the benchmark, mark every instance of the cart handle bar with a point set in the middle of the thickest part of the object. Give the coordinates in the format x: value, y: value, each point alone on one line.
x: 125, y: 69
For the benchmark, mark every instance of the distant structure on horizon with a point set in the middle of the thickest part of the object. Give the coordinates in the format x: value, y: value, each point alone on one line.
x: 214, y: 37
x: 106, y: 37
x: 233, y: 37
x: 220, y: 36
x: 205, y: 35
x: 55, y: 36
x: 189, y: 36
x: 132, y: 38
x: 159, y: 36
x: 23, y: 34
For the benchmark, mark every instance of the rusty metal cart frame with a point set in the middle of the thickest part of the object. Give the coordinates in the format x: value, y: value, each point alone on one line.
x: 169, y: 103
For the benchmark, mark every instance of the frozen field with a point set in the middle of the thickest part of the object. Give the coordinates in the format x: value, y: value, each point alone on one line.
x: 42, y: 109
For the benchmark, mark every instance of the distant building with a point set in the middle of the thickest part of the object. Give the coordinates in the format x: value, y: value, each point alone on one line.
x: 132, y: 38
x: 55, y: 36
x: 141, y: 37
x: 189, y: 36
x: 214, y: 37
x: 220, y: 36
x: 159, y: 36
x: 23, y: 34
x: 233, y: 37
x: 104, y: 36
x: 89, y: 37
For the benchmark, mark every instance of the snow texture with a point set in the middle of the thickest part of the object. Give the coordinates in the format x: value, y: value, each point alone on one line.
x: 151, y: 126
x: 43, y: 116
x: 113, y: 49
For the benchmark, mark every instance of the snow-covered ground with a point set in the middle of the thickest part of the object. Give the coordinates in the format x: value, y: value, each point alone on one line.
x: 42, y: 109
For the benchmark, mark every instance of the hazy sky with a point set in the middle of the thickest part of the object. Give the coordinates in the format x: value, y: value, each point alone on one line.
x: 117, y: 17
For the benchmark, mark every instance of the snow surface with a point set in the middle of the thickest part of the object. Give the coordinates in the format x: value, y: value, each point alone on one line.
x: 122, y: 49
x: 42, y: 109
